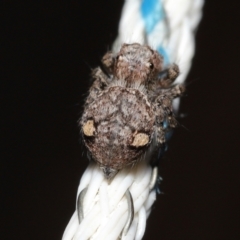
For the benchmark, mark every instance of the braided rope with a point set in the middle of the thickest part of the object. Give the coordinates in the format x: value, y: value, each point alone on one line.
x: 169, y: 27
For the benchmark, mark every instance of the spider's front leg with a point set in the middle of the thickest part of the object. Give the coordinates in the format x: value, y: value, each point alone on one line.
x: 101, y: 77
x: 108, y: 62
x: 168, y: 76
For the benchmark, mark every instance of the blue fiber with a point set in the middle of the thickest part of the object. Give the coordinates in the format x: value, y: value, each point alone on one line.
x: 164, y: 53
x: 152, y: 12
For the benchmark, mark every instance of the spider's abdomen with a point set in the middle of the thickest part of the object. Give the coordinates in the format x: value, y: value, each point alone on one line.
x: 118, y: 128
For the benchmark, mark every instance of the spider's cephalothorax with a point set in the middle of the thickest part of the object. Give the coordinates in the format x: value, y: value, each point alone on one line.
x: 129, y: 108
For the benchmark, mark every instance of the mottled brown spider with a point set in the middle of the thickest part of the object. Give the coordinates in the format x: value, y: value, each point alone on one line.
x: 129, y: 108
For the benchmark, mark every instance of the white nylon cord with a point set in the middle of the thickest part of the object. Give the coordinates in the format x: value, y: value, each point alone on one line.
x: 105, y: 206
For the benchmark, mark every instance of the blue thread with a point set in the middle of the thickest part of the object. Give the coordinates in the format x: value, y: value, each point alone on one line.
x: 152, y: 12
x: 164, y: 53
x: 165, y: 124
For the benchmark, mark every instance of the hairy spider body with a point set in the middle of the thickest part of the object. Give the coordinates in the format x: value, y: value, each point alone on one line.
x: 129, y: 108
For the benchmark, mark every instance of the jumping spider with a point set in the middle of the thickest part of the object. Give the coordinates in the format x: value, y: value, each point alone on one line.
x: 129, y: 108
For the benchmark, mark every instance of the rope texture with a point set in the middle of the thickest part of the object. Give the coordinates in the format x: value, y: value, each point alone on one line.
x: 169, y: 27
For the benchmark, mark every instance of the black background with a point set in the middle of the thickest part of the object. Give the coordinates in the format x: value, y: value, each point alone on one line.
x: 48, y: 50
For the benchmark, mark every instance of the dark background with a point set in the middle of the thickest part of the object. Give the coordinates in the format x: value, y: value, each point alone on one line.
x: 48, y: 50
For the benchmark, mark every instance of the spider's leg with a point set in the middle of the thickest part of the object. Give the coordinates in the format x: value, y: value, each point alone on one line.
x: 100, y: 81
x: 168, y: 76
x: 108, y: 62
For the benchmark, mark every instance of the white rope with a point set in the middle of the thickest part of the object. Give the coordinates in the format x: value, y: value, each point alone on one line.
x: 169, y: 27
x: 105, y: 207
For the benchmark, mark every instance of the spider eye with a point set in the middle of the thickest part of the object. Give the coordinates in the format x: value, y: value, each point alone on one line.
x: 119, y: 57
x: 151, y: 66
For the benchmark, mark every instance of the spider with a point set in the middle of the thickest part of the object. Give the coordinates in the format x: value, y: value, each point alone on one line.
x: 128, y: 111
